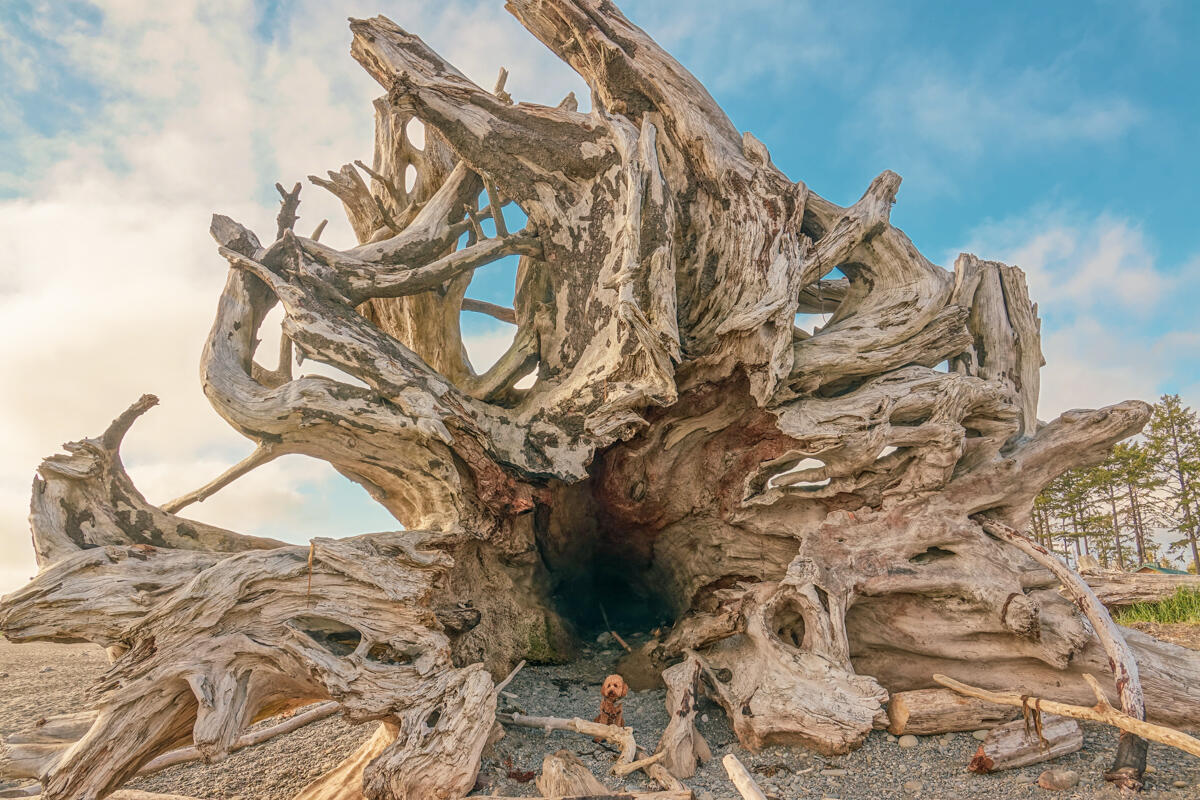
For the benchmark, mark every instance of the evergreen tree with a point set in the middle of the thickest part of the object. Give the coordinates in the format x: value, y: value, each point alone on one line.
x: 1173, y: 440
x: 1136, y: 482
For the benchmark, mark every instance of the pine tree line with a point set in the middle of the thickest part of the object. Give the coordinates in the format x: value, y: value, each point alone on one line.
x: 1111, y: 511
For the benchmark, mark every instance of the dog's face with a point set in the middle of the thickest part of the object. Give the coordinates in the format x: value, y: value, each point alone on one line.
x: 614, y: 687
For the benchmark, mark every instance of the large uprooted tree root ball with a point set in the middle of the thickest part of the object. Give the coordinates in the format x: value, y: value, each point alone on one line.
x: 803, y: 506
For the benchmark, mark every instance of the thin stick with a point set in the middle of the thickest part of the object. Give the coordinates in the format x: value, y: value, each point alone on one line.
x: 608, y: 625
x: 501, y: 313
x: 313, y: 713
x: 312, y: 551
x: 1101, y: 712
x: 497, y: 211
x: 622, y: 737
x: 261, y: 455
x: 741, y: 779
x: 621, y: 770
x: 504, y: 683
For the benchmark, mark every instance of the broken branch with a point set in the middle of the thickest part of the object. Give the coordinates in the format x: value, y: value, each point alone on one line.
x: 1101, y: 712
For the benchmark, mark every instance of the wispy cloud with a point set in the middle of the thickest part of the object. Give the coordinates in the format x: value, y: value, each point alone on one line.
x: 1117, y: 321
x: 967, y: 115
x: 109, y: 282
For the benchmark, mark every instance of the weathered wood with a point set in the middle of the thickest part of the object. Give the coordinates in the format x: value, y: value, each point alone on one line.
x: 817, y: 511
x: 1101, y: 712
x: 1024, y: 742
x: 621, y: 737
x: 681, y: 746
x: 1116, y: 589
x: 927, y: 711
x: 665, y: 795
x: 741, y: 779
x: 1130, y: 761
x: 564, y: 774
x: 33, y: 753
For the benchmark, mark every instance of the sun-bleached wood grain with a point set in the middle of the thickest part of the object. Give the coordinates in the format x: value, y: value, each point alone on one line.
x: 807, y: 505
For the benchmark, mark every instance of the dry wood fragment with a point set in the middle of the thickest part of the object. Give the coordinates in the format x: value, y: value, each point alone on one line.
x: 289, y: 202
x: 564, y: 774
x: 664, y: 795
x: 741, y: 779
x: 1101, y: 712
x: 681, y: 744
x: 502, y: 685
x: 621, y: 770
x: 1130, y: 760
x: 657, y: 773
x: 305, y: 716
x: 621, y: 737
x: 922, y: 712
x: 1023, y: 742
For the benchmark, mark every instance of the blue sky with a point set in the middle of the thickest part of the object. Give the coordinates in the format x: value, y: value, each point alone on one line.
x: 1060, y: 137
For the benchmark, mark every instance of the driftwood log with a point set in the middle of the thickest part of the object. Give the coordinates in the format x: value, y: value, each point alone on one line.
x: 1102, y: 711
x: 1023, y: 742
x: 803, y: 505
x: 925, y: 711
x: 1126, y: 588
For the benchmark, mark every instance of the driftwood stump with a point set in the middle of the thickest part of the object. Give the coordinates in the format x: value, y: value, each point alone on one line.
x: 802, y: 506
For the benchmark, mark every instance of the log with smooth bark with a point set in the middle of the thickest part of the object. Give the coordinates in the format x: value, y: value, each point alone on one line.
x: 801, y: 506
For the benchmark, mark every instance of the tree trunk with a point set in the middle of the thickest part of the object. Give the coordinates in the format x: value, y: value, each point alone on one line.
x: 800, y: 508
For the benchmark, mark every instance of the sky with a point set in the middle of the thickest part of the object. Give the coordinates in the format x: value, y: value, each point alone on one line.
x: 1059, y: 137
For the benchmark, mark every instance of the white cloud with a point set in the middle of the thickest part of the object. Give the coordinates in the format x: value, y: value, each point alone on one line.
x: 108, y: 280
x: 1115, y: 320
x: 1077, y: 262
x: 970, y: 114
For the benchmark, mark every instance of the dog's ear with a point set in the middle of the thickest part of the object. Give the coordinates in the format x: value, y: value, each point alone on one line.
x: 622, y: 687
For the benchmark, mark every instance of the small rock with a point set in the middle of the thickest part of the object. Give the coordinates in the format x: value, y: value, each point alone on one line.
x: 1151, y: 769
x: 907, y: 740
x: 912, y: 787
x: 604, y: 638
x: 1179, y: 784
x: 46, y: 669
x: 704, y: 794
x: 980, y: 735
x: 834, y: 773
x: 704, y: 717
x: 948, y: 738
x: 1058, y: 779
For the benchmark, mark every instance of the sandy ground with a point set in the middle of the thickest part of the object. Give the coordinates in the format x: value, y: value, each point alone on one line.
x: 39, y: 680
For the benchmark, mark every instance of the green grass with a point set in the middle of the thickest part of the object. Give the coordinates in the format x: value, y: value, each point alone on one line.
x: 1183, y: 606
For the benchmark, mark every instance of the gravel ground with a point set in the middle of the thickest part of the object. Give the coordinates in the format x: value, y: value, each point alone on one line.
x: 933, y: 770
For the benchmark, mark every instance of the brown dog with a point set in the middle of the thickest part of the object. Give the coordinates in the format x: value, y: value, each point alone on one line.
x: 611, y: 692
